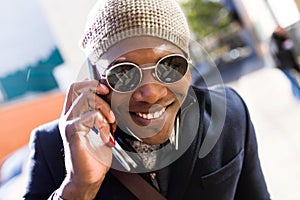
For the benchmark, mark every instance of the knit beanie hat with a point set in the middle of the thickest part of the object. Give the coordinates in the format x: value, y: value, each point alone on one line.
x: 112, y: 21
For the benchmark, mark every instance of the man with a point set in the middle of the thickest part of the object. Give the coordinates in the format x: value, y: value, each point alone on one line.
x: 138, y: 114
x: 281, y: 47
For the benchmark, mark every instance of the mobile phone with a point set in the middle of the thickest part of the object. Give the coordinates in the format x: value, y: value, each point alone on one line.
x: 93, y: 72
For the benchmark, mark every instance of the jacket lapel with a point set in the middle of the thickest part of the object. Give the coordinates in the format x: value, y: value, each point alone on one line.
x: 190, y: 134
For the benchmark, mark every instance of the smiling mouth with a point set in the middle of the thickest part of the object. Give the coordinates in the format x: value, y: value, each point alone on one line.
x: 152, y: 115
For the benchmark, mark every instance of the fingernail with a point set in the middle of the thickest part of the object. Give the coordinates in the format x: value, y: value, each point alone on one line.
x: 112, y: 141
x: 112, y: 115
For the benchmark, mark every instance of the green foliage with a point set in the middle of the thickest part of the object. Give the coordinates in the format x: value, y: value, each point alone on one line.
x: 205, y: 17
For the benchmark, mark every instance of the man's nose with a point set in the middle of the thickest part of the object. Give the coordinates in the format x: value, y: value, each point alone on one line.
x: 150, y: 93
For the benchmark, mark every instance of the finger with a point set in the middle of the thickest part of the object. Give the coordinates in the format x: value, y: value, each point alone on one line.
x: 101, y: 105
x: 86, y: 122
x: 76, y: 89
x: 101, y: 89
x: 95, y: 102
x: 104, y: 108
x: 103, y: 128
x: 88, y: 101
x: 94, y: 85
x: 80, y: 106
x: 76, y: 139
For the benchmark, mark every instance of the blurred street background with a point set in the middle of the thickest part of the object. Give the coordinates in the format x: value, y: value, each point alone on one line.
x: 40, y: 57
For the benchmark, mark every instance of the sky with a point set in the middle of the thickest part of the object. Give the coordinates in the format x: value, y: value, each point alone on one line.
x: 25, y: 36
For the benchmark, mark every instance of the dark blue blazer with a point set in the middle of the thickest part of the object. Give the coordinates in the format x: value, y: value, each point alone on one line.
x: 217, y: 165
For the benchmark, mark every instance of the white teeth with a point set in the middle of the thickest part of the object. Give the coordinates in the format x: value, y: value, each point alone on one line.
x: 154, y: 115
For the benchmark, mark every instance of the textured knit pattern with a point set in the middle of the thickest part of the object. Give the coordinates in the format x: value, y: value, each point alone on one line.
x: 148, y: 153
x: 115, y: 20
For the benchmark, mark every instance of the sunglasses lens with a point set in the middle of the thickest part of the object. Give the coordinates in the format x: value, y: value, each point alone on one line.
x: 124, y: 77
x: 172, y: 69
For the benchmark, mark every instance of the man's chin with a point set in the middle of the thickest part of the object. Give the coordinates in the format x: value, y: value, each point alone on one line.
x: 144, y: 132
x: 156, y: 139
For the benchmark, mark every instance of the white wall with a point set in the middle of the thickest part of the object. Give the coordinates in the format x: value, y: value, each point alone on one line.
x: 67, y: 19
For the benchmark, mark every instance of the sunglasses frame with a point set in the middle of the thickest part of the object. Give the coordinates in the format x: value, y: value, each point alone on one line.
x: 104, y: 76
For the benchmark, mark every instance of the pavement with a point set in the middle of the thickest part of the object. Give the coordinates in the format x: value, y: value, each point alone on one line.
x: 276, y: 115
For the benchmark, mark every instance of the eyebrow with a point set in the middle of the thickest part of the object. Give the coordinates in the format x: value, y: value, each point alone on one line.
x: 117, y: 61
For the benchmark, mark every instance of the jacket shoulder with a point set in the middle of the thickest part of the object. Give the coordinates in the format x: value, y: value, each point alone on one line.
x: 222, y: 103
x: 46, y: 161
x: 47, y: 139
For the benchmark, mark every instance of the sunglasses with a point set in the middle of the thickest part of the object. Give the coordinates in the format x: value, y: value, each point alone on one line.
x: 126, y: 76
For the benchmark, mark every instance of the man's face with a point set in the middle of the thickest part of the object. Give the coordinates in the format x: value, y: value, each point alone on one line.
x: 150, y: 110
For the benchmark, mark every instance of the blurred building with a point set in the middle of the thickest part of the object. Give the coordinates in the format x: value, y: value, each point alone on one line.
x: 29, y: 88
x: 29, y: 54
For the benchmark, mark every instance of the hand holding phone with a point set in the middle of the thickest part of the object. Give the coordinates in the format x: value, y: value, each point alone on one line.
x: 84, y: 109
x: 120, y: 154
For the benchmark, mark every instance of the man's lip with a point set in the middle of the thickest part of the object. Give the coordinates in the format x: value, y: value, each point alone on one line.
x: 145, y: 120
